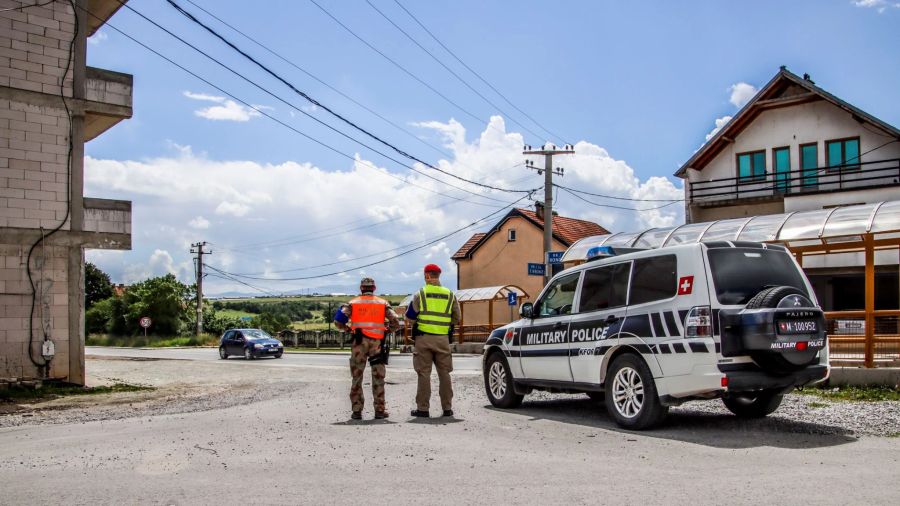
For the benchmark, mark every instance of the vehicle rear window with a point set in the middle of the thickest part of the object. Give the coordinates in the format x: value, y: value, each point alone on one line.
x: 654, y: 279
x: 740, y: 273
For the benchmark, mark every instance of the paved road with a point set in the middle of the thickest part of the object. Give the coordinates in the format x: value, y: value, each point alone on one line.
x: 237, y: 432
x: 462, y: 363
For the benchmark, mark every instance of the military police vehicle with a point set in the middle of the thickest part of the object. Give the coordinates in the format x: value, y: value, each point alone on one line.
x: 651, y: 329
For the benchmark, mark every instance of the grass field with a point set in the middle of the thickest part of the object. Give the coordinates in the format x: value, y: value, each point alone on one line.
x: 233, y: 313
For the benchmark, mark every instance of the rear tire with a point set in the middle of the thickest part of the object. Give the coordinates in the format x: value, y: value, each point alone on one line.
x: 753, y: 404
x: 631, y: 397
x: 498, y: 383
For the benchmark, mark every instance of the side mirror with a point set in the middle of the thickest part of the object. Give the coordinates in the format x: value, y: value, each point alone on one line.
x: 526, y: 310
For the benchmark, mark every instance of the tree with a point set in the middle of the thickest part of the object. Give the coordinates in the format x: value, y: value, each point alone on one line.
x: 272, y: 323
x: 164, y: 299
x: 97, y: 285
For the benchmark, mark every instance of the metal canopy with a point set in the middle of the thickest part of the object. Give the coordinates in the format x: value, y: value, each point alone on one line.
x: 482, y: 294
x: 840, y: 228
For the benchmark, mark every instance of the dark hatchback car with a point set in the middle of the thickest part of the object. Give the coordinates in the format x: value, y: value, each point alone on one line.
x: 249, y: 343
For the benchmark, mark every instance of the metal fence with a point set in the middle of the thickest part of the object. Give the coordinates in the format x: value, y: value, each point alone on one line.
x: 326, y: 339
x: 851, y: 345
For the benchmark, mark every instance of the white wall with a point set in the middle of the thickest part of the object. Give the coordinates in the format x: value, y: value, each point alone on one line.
x: 824, y: 200
x: 791, y: 126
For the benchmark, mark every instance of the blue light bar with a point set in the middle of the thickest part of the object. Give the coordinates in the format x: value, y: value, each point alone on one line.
x: 600, y: 252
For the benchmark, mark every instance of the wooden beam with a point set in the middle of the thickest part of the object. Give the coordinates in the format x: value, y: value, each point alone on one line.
x: 870, y: 303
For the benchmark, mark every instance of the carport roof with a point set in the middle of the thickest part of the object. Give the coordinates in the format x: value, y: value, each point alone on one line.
x: 486, y: 293
x: 818, y: 229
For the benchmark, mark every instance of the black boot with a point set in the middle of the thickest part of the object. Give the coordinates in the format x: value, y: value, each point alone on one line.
x: 356, y: 415
x: 419, y: 413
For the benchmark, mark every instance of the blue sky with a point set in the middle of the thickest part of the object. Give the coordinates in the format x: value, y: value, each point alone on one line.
x: 637, y: 84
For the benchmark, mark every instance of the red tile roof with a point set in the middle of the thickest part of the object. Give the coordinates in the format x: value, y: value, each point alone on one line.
x: 464, y: 250
x: 566, y: 230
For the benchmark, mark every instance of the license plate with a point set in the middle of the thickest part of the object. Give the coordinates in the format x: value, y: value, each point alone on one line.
x: 798, y: 327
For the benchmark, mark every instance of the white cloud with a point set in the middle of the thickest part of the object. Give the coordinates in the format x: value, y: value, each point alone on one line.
x: 227, y: 110
x: 232, y: 208
x: 879, y: 5
x: 741, y: 93
x: 199, y: 223
x: 97, y: 38
x: 294, y: 215
x: 720, y: 122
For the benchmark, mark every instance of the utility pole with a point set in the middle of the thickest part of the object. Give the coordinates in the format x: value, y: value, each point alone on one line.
x: 548, y: 151
x: 199, y: 272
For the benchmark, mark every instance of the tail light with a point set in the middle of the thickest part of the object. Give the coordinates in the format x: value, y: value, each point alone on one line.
x: 698, y: 322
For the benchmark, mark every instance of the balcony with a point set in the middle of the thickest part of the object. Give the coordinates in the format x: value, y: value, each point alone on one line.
x: 776, y: 186
x: 107, y: 224
x: 107, y: 100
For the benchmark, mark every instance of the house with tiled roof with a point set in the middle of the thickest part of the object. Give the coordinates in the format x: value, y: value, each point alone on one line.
x: 501, y: 255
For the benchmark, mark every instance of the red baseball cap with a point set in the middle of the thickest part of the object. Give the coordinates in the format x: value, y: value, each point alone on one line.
x: 432, y: 268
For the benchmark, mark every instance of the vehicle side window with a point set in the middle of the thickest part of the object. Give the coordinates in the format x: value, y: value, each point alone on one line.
x: 228, y: 335
x: 237, y: 336
x: 654, y: 278
x: 604, y: 287
x: 558, y: 299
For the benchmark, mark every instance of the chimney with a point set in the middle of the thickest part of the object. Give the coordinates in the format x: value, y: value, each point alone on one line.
x: 539, y: 209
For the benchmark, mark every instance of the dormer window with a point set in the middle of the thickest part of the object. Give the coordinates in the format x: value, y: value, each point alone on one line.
x: 511, y: 235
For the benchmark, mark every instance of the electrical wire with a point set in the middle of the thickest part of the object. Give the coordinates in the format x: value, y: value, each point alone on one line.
x: 485, y: 81
x: 579, y: 197
x: 448, y: 69
x: 402, y: 68
x: 613, y: 197
x: 320, y: 81
x: 313, y: 101
x: 58, y: 227
x: 230, y: 278
x: 282, y: 123
x: 398, y: 255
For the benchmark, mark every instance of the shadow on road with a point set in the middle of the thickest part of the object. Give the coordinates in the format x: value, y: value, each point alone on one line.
x: 692, y: 426
x: 443, y: 420
x: 365, y: 422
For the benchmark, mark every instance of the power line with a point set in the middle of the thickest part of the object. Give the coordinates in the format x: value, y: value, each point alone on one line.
x: 448, y: 69
x: 229, y: 278
x: 266, y: 114
x: 441, y: 238
x: 579, y: 197
x: 320, y: 81
x: 401, y: 67
x: 613, y: 197
x: 470, y: 69
x: 315, y: 102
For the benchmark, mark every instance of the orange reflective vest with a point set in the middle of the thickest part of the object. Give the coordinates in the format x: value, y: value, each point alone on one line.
x: 367, y: 313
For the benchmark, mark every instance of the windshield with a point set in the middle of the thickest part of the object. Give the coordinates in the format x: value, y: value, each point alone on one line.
x: 740, y: 273
x: 256, y: 334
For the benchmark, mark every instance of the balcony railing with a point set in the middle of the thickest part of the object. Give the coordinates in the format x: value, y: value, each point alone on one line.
x: 801, y: 181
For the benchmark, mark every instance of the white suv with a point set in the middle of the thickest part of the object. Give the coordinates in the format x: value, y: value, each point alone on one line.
x: 655, y: 328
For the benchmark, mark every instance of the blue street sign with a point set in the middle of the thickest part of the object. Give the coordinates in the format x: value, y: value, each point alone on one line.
x: 535, y: 269
x: 555, y: 257
x: 511, y: 298
x: 246, y: 318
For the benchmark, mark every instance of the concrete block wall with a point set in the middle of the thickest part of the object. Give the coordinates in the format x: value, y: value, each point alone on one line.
x: 51, y: 313
x: 34, y: 46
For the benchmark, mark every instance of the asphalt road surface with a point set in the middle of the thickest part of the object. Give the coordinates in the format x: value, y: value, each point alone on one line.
x: 236, y: 432
x: 398, y: 361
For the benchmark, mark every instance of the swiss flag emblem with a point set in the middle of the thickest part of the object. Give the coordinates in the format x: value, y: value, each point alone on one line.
x: 685, y: 285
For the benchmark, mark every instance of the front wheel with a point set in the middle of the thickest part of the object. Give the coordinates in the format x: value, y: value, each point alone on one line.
x: 222, y: 353
x: 248, y: 355
x: 631, y: 396
x: 278, y: 355
x: 498, y: 383
x: 753, y: 404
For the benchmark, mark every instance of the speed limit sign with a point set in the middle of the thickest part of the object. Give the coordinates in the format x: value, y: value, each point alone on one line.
x: 145, y: 322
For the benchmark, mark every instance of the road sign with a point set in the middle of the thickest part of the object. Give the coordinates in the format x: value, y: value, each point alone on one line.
x: 146, y: 322
x: 536, y: 269
x: 246, y: 318
x: 555, y: 257
x: 511, y: 298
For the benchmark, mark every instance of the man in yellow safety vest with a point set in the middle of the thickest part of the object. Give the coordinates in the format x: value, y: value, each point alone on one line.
x: 433, y: 312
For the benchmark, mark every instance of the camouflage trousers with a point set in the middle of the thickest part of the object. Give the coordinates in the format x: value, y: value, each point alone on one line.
x: 359, y: 355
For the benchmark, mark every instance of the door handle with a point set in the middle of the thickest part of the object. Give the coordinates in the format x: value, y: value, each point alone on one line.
x: 611, y: 319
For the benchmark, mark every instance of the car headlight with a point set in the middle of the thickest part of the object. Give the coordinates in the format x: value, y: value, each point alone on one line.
x: 258, y: 346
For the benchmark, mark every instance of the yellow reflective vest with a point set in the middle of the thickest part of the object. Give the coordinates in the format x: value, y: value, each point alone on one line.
x: 435, y: 309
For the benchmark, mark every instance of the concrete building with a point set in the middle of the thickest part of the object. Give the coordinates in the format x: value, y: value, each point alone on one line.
x: 501, y: 255
x: 51, y: 103
x: 795, y: 147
